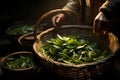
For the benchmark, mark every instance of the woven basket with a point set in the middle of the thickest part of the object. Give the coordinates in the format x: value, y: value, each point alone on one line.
x: 21, y: 72
x: 16, y: 30
x: 26, y: 41
x: 75, y: 72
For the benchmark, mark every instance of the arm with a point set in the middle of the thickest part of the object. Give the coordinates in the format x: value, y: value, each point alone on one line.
x: 108, y: 11
x: 72, y: 5
x: 110, y: 8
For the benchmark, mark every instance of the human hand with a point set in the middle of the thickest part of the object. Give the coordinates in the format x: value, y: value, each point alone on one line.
x: 101, y: 24
x: 58, y: 19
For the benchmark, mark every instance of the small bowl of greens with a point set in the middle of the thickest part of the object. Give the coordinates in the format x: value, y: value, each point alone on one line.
x: 19, y: 64
x: 15, y: 31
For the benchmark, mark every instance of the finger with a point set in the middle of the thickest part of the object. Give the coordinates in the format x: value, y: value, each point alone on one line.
x: 54, y: 20
x: 98, y: 27
x: 95, y: 27
x: 58, y: 21
x: 105, y: 27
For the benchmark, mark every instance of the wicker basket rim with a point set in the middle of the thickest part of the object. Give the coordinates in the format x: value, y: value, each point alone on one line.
x: 72, y: 65
x: 15, y: 53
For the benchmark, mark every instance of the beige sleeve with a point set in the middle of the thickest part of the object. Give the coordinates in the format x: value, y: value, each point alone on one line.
x: 72, y: 5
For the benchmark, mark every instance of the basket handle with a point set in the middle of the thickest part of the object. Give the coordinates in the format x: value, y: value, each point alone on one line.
x: 49, y: 13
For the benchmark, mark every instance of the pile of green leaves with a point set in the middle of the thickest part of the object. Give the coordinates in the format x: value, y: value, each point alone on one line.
x: 72, y: 50
x: 19, y: 62
x: 20, y: 29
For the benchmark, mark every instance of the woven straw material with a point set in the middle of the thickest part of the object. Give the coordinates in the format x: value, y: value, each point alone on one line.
x: 81, y: 71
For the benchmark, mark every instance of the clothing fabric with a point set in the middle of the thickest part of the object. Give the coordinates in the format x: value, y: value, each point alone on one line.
x: 87, y: 9
x: 112, y: 10
x: 111, y: 7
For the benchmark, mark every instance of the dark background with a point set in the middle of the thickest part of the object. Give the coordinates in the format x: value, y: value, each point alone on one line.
x: 15, y: 11
x: 25, y: 10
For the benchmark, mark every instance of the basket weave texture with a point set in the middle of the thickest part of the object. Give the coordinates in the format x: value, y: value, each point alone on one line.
x: 82, y: 71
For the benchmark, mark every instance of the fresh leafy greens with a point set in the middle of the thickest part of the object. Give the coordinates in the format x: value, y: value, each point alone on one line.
x: 72, y: 50
x: 20, y: 29
x: 19, y: 62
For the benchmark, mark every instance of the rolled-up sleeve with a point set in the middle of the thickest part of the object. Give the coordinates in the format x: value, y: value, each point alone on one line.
x: 111, y: 7
x: 72, y: 5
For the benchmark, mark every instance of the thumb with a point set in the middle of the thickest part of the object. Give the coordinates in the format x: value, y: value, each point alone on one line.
x: 57, y: 21
x: 96, y: 26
